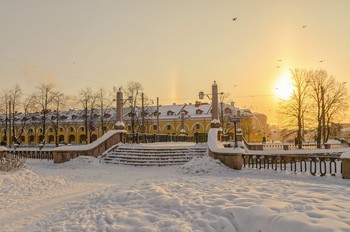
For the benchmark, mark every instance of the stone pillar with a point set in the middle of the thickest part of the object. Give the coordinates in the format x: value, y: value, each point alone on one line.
x: 215, y: 123
x: 345, y: 162
x: 120, y: 124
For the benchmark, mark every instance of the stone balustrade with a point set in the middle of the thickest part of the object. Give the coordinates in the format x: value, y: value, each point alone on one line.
x: 231, y: 157
x: 112, y: 137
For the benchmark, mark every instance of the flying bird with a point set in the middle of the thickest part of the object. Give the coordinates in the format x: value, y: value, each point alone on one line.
x: 234, y: 19
x: 321, y: 61
x: 279, y: 60
x: 304, y: 26
x: 277, y: 66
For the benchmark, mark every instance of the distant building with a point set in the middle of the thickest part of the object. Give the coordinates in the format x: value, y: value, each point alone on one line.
x: 344, y: 132
x: 71, y: 125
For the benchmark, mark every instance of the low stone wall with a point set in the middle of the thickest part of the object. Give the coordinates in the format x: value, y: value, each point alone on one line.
x: 234, y: 161
x: 345, y: 168
x: 229, y: 156
x: 345, y: 162
x: 63, y: 155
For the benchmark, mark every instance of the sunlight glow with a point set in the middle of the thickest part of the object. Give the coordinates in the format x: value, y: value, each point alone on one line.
x: 284, y: 86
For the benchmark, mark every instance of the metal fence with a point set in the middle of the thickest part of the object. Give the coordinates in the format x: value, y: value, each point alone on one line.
x: 317, y: 165
x: 154, y: 138
x: 31, y: 154
x: 291, y: 146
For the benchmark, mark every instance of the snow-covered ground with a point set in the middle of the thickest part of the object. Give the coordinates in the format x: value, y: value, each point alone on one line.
x: 202, y: 195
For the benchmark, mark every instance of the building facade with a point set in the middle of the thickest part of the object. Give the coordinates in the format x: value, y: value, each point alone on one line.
x: 77, y: 127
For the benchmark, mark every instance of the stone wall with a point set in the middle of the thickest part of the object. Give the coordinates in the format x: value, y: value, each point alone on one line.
x: 234, y: 161
x: 229, y: 156
x: 63, y: 155
x: 346, y: 168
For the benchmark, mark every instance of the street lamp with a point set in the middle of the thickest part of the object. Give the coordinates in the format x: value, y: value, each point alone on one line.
x: 201, y: 95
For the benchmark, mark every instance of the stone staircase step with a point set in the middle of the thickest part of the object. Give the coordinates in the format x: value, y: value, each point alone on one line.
x: 152, y: 156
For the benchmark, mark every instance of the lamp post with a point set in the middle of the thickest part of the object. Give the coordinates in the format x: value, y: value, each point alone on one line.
x: 215, y: 123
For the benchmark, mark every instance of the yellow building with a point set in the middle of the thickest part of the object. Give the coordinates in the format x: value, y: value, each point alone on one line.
x: 72, y: 128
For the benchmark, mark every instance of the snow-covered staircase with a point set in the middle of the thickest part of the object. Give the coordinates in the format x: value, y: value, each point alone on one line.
x: 152, y: 155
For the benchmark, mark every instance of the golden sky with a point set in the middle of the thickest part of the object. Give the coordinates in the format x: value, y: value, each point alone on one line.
x: 174, y: 48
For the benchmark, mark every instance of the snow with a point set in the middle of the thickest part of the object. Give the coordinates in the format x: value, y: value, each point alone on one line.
x: 215, y: 121
x: 216, y: 146
x: 2, y: 148
x: 202, y: 195
x: 120, y: 124
x: 345, y: 155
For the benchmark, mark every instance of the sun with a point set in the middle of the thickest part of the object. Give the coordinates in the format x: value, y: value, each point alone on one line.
x: 284, y: 87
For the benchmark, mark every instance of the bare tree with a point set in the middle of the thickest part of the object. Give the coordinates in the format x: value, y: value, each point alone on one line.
x: 42, y: 100
x: 5, y: 99
x: 15, y: 95
x: 104, y: 102
x: 59, y: 103
x: 330, y: 99
x: 88, y: 100
x: 293, y: 111
x: 134, y: 89
x: 27, y: 106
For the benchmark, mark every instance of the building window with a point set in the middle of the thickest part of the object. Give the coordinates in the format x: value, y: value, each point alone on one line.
x: 168, y: 127
x: 30, y: 130
x: 50, y: 129
x: 129, y: 128
x: 61, y: 129
x: 71, y: 129
x: 81, y: 128
x: 197, y: 126
x: 154, y: 127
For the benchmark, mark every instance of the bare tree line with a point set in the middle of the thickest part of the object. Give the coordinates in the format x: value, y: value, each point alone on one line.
x: 317, y: 102
x: 46, y: 100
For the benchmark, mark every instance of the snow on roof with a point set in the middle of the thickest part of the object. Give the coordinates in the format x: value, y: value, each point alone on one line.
x: 192, y: 109
x: 75, y: 115
x: 176, y: 109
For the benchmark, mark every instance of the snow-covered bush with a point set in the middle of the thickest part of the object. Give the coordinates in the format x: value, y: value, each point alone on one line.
x: 12, y: 164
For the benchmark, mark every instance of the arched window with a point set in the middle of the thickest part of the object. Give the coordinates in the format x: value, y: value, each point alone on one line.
x: 31, y: 139
x: 61, y: 138
x: 71, y: 138
x: 51, y: 138
x: 82, y: 139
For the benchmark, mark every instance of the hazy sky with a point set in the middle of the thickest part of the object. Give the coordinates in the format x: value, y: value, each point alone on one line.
x: 174, y: 48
